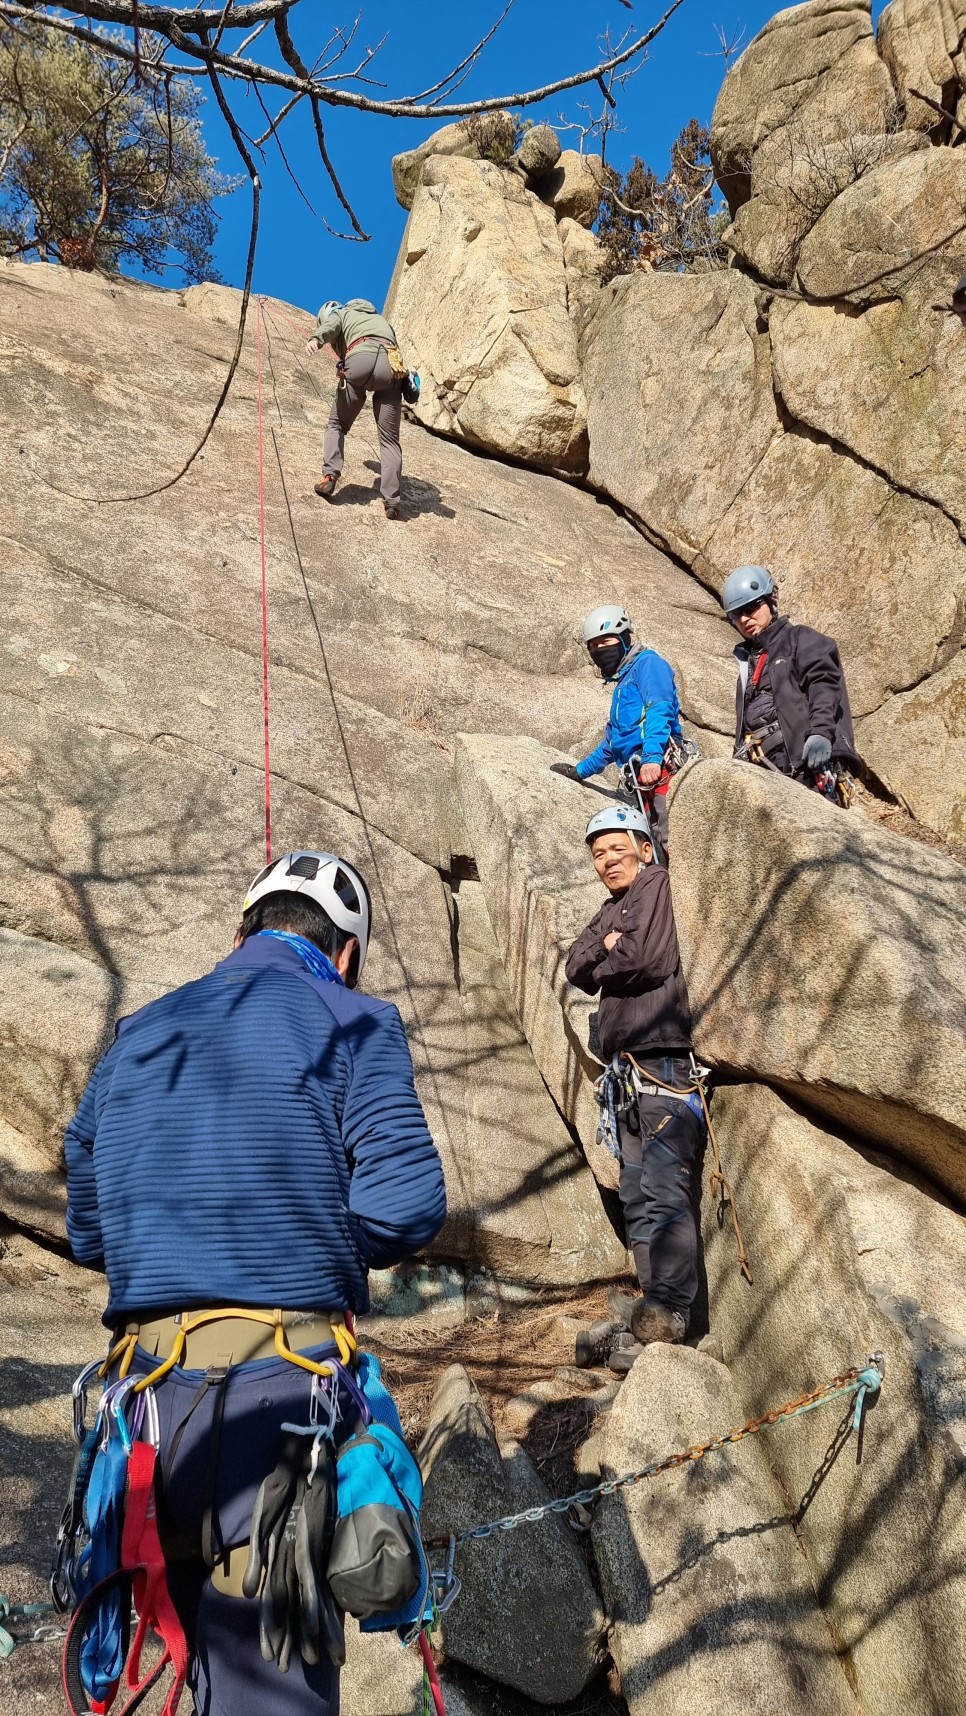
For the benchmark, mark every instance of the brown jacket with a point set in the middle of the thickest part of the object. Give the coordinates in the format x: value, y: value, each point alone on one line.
x: 643, y: 1001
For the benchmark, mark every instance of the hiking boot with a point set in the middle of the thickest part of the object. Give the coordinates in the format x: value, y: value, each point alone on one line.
x: 392, y: 511
x: 326, y: 488
x: 652, y: 1321
x: 593, y: 1345
x: 624, y: 1352
x: 623, y: 1305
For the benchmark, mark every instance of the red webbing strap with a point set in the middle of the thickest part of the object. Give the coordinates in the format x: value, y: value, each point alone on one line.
x: 759, y: 668
x: 141, y: 1552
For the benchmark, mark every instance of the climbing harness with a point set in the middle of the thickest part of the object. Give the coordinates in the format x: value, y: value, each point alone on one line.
x: 861, y: 1384
x: 618, y: 1088
x: 677, y: 752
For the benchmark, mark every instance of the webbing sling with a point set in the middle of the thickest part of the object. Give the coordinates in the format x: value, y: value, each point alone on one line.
x: 139, y: 1579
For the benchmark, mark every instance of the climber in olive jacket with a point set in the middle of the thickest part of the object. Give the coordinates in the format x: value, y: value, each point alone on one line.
x: 361, y: 340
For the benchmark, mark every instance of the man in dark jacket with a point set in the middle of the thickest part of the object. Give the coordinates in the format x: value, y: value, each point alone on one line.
x: 629, y: 954
x: 251, y: 1140
x: 361, y: 340
x: 792, y: 708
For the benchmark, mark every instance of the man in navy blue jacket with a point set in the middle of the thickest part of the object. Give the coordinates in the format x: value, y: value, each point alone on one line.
x: 644, y: 713
x: 252, y: 1140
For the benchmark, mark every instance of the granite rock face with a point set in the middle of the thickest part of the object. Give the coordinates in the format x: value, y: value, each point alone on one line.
x: 850, y: 1258
x: 825, y: 955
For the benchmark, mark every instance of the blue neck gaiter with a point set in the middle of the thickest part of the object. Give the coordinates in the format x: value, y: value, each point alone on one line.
x: 311, y: 956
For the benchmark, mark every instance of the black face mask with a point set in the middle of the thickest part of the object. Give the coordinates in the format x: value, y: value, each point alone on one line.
x: 609, y: 658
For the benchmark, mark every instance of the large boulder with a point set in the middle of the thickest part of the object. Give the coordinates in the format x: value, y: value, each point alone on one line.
x: 814, y: 66
x: 479, y: 303
x: 921, y: 42
x: 679, y: 398
x: 460, y: 139
x: 850, y: 1258
x: 574, y: 186
x: 903, y: 218
x: 710, y: 1598
x: 827, y: 956
x: 528, y: 1615
x: 539, y: 151
x: 795, y: 177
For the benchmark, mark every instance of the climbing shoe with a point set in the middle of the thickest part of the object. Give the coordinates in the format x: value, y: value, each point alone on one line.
x: 392, y: 511
x: 623, y: 1353
x: 593, y: 1345
x: 652, y: 1321
x: 326, y: 488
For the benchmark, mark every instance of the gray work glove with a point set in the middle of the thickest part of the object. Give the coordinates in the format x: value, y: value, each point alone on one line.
x: 816, y: 752
x: 568, y: 770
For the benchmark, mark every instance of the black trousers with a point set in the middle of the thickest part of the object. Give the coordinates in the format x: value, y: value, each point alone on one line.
x: 662, y: 1144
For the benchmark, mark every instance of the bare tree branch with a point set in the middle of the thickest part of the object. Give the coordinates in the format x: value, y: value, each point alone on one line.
x: 176, y: 25
x: 470, y: 59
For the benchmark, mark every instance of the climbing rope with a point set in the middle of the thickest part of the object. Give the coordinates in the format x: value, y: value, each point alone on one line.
x: 862, y: 1383
x: 261, y: 527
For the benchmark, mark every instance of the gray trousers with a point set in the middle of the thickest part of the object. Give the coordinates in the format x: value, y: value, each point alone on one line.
x: 660, y: 1147
x: 367, y: 371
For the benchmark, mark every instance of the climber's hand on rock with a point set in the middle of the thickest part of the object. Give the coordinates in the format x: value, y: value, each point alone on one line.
x: 568, y: 770
x: 311, y: 347
x: 612, y: 939
x: 649, y: 774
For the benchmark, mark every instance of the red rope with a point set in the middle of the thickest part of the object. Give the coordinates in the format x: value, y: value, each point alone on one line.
x: 261, y: 520
x: 432, y: 1676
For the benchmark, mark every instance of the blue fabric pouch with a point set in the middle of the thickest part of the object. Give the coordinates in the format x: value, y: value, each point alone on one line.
x: 378, y: 1570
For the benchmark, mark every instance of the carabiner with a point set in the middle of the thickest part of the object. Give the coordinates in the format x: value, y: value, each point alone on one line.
x: 79, y: 1397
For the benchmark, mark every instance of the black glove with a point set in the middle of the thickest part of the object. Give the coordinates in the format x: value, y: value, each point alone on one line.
x: 816, y: 752
x: 568, y: 770
x: 321, y: 1621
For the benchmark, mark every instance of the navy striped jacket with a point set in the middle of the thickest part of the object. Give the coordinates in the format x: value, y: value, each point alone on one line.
x: 253, y: 1138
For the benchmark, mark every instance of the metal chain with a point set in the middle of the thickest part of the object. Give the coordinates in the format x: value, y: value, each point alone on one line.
x: 861, y: 1383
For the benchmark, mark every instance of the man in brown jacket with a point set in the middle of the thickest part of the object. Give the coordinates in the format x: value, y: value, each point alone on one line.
x: 629, y: 954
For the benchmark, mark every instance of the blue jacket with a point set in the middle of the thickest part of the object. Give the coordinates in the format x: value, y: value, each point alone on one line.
x: 644, y: 714
x: 253, y: 1138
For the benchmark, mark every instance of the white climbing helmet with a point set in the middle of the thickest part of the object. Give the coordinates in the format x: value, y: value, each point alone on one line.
x: 330, y: 882
x: 329, y: 308
x: 606, y: 622
x: 618, y: 819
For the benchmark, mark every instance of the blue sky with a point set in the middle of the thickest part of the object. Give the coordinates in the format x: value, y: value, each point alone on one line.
x: 541, y: 40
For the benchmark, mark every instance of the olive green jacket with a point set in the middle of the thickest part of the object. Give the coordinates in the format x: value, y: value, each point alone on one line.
x: 357, y: 320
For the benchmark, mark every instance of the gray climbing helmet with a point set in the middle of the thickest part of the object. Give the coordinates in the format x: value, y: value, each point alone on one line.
x: 329, y: 308
x: 746, y: 584
x: 618, y: 819
x: 608, y: 621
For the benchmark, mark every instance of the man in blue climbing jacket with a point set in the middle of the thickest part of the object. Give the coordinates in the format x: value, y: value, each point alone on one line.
x: 791, y: 705
x: 251, y: 1141
x: 645, y: 716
